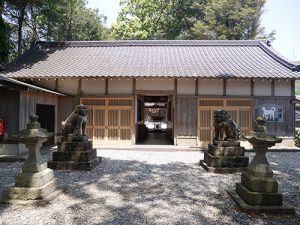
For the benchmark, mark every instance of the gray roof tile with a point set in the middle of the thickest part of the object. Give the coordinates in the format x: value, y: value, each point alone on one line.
x: 212, y: 59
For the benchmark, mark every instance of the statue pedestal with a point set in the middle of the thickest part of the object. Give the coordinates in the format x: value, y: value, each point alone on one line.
x: 224, y: 157
x: 75, y: 154
x: 258, y: 190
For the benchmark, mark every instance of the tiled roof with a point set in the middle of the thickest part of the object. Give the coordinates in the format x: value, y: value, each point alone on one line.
x: 210, y: 59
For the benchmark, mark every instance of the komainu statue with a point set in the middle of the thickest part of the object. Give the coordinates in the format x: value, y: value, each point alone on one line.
x: 75, y: 124
x: 223, y: 124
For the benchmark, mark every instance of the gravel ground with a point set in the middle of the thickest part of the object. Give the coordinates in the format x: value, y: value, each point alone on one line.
x: 136, y: 187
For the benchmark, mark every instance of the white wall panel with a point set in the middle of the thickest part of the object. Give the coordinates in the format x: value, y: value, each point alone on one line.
x: 282, y: 88
x: 92, y: 87
x: 262, y: 88
x: 186, y: 86
x: 122, y: 86
x: 239, y: 87
x: 49, y: 84
x: 210, y: 87
x: 155, y: 84
x: 68, y: 86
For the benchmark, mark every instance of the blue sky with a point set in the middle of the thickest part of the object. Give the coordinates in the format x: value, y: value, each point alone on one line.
x: 283, y: 16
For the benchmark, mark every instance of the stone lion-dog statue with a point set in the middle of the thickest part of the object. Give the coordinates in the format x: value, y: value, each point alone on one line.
x: 223, y: 124
x: 75, y: 124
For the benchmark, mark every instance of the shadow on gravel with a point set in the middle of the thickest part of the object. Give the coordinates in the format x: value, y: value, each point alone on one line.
x: 136, y: 192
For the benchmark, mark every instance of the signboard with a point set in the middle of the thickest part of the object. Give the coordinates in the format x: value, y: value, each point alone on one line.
x: 273, y: 113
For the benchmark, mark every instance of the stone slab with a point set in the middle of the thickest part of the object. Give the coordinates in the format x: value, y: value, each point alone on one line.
x: 30, y: 193
x: 259, y: 184
x: 78, y: 156
x: 225, y: 161
x: 221, y: 170
x: 284, y: 209
x: 258, y: 198
x: 225, y: 151
x: 34, y: 179
x: 73, y: 165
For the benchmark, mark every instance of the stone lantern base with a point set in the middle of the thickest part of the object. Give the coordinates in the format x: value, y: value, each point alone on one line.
x: 75, y: 155
x: 36, y: 188
x: 259, y: 195
x: 225, y: 157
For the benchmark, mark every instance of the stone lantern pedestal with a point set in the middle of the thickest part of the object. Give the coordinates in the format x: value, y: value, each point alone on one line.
x: 258, y: 190
x: 36, y: 183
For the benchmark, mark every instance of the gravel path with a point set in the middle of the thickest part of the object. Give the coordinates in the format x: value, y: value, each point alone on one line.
x: 135, y: 187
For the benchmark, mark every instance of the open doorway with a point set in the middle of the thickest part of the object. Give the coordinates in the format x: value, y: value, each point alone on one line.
x: 46, y: 115
x: 155, y: 120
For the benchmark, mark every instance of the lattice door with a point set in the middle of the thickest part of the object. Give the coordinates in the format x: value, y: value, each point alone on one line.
x: 238, y: 109
x: 110, y: 120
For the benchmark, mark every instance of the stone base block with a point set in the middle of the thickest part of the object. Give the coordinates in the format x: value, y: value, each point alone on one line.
x: 225, y: 161
x: 223, y: 170
x: 78, y: 156
x: 258, y: 198
x: 226, y: 151
x: 33, y: 193
x: 74, y: 146
x: 282, y: 209
x: 74, y: 165
x: 259, y: 184
x: 227, y: 143
x: 34, y: 180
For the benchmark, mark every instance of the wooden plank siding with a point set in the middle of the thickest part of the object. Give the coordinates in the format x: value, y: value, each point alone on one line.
x: 285, y: 128
x: 186, y: 116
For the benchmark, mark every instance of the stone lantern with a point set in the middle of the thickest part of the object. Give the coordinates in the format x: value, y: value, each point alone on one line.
x: 258, y: 190
x: 36, y: 183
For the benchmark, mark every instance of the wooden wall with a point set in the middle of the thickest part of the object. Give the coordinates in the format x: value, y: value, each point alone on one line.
x: 9, y: 109
x: 285, y: 128
x: 186, y: 123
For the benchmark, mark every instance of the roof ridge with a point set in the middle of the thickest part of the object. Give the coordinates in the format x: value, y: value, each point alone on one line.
x: 120, y: 43
x: 279, y: 58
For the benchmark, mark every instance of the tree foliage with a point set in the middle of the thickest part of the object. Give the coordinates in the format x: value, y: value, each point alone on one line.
x: 26, y: 21
x: 189, y: 19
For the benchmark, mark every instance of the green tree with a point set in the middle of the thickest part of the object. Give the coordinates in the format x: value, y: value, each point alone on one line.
x: 4, y: 37
x: 69, y: 20
x: 227, y: 19
x: 151, y: 19
x: 189, y: 19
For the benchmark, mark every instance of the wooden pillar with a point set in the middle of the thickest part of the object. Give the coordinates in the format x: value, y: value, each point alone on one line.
x: 79, y: 91
x: 134, y: 133
x: 252, y: 87
x: 56, y: 84
x: 196, y: 86
x: 272, y: 87
x: 224, y: 87
x: 106, y: 86
x: 293, y: 88
x: 175, y: 112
